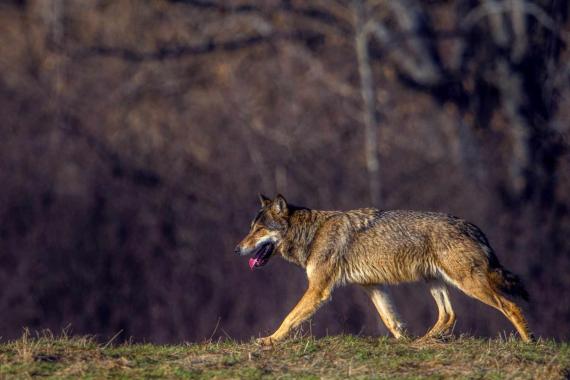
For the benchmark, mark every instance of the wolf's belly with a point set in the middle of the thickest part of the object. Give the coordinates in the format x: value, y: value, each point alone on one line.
x: 387, y: 268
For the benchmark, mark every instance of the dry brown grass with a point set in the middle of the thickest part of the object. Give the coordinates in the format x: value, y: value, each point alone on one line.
x: 43, y: 355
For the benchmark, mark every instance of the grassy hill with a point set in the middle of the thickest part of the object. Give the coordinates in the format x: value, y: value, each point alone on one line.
x: 330, y: 357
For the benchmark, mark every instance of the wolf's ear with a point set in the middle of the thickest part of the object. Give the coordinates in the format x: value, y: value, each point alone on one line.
x: 264, y: 200
x: 280, y: 205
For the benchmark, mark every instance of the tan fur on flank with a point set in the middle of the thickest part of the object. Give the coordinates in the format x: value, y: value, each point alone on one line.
x: 371, y: 247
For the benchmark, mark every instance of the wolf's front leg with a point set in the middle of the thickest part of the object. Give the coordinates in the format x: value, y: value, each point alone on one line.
x: 313, y: 298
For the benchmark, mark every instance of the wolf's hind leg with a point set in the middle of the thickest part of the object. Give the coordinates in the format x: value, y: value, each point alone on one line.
x: 381, y: 300
x: 446, y: 315
x: 479, y: 287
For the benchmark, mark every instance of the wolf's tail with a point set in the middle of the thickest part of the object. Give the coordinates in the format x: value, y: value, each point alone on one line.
x: 508, y: 283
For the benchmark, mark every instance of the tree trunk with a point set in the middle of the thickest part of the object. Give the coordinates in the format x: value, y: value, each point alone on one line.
x: 369, y: 110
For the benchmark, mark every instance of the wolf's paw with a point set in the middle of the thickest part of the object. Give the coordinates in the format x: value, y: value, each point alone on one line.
x: 442, y: 337
x: 404, y: 338
x: 265, y: 342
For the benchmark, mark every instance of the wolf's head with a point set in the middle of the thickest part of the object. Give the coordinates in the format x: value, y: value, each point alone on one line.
x: 266, y: 232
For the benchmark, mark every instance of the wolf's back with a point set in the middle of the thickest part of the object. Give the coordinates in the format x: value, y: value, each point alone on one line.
x: 402, y: 245
x: 448, y: 231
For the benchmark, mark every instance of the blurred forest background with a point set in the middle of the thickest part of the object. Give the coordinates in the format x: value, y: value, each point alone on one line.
x: 137, y: 134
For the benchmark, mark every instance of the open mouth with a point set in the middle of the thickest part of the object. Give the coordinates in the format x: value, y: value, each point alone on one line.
x: 261, y: 255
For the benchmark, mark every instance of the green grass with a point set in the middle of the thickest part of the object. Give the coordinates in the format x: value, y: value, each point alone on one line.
x: 305, y: 358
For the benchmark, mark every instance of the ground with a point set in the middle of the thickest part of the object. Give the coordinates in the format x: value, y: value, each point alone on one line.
x: 43, y: 355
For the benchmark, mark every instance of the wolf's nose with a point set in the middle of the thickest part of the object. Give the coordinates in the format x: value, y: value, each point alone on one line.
x: 237, y: 250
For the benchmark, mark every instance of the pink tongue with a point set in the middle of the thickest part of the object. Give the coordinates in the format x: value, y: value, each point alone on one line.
x: 252, y: 262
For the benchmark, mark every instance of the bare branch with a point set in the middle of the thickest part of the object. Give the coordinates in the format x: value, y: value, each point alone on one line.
x: 219, y: 6
x: 311, y: 12
x: 518, y: 20
x: 421, y: 70
x: 180, y: 51
x: 414, y: 58
x: 320, y: 15
x: 492, y: 9
x: 496, y: 21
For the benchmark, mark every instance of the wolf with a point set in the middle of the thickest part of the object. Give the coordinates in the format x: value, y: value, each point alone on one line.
x: 373, y: 248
